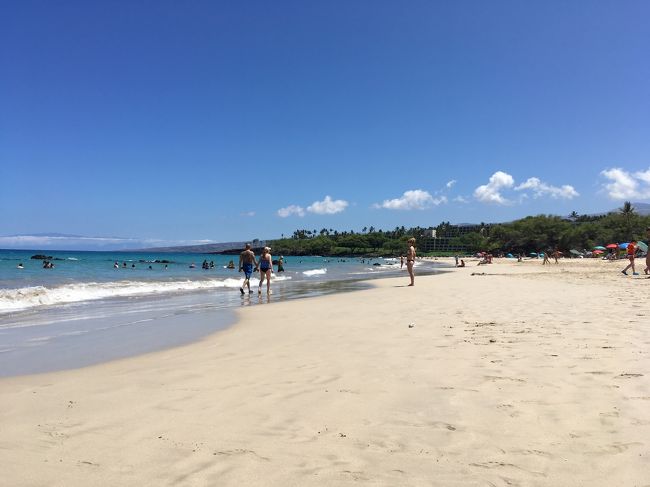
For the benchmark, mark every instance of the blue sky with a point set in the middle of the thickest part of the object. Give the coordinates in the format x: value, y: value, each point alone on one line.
x: 179, y: 122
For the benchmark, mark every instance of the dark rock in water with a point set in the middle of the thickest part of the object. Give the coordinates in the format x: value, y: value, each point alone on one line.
x: 41, y: 257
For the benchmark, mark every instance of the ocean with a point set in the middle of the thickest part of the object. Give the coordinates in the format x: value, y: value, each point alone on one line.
x: 97, y: 306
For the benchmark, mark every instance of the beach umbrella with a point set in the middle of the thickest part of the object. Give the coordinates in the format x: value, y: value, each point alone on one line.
x: 643, y: 246
x: 597, y: 252
x: 574, y: 252
x: 533, y: 254
x: 612, y: 246
x: 599, y: 247
x: 510, y: 256
x: 624, y: 245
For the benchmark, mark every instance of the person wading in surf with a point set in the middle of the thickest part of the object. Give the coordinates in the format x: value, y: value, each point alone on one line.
x: 246, y: 263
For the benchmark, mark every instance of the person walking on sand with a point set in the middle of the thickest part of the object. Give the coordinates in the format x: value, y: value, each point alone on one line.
x: 266, y: 268
x: 556, y: 255
x: 631, y: 250
x: 246, y: 262
x: 410, y: 259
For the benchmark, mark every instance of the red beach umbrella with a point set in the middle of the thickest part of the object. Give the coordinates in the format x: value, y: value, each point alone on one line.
x: 597, y: 252
x: 612, y: 246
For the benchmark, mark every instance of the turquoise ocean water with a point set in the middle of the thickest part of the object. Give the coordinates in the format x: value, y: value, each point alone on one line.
x: 84, y: 310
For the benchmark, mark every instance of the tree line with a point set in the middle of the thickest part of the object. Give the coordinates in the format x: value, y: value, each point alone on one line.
x: 529, y: 234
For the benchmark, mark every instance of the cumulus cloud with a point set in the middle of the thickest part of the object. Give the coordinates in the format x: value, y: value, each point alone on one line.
x: 491, y: 192
x: 415, y: 199
x: 539, y: 188
x: 291, y: 210
x: 328, y: 206
x: 624, y: 185
x: 451, y: 183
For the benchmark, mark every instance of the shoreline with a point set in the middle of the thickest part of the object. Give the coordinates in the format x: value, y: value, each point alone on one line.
x: 538, y: 375
x: 63, y: 337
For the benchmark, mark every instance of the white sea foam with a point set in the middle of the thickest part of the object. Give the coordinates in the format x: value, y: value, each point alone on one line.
x: 315, y: 272
x: 30, y: 297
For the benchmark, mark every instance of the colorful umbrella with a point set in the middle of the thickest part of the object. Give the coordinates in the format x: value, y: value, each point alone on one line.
x: 599, y: 247
x: 533, y: 253
x: 597, y: 252
x: 624, y: 245
x: 575, y: 252
x: 612, y: 246
x: 643, y: 246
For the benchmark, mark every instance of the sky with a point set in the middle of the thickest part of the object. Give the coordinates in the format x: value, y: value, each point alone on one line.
x: 185, y: 122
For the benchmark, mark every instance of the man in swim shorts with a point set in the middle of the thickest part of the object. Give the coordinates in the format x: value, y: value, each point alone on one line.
x: 246, y: 263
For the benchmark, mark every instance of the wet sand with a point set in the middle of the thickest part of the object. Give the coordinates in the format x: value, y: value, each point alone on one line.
x: 520, y: 374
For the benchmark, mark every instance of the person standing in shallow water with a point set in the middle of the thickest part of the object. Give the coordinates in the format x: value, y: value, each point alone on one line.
x: 410, y: 259
x: 246, y: 262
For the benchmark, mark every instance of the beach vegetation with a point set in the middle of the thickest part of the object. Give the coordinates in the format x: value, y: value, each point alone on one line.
x: 530, y: 234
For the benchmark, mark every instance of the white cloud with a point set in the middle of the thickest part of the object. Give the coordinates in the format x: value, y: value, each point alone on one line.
x: 451, y: 183
x: 540, y: 188
x: 643, y: 175
x: 460, y: 199
x: 415, y: 199
x: 625, y: 185
x: 491, y: 192
x: 328, y: 206
x: 291, y: 210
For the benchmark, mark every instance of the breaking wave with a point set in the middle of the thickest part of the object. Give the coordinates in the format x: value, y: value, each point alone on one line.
x: 315, y: 272
x: 35, y: 296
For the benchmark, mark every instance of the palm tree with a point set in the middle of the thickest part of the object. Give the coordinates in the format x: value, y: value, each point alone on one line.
x: 627, y: 210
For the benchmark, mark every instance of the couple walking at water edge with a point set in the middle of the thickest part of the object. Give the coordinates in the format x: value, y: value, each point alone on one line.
x: 248, y: 263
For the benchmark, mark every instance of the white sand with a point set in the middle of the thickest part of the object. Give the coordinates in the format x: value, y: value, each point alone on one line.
x: 528, y: 375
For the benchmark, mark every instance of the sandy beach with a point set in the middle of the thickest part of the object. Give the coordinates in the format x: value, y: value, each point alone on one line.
x: 498, y: 375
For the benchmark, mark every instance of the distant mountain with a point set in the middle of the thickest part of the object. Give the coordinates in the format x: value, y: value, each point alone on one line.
x: 641, y: 208
x: 205, y: 248
x: 64, y: 241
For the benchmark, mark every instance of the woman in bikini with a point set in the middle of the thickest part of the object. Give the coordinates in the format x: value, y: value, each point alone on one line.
x: 266, y: 267
x: 410, y: 260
